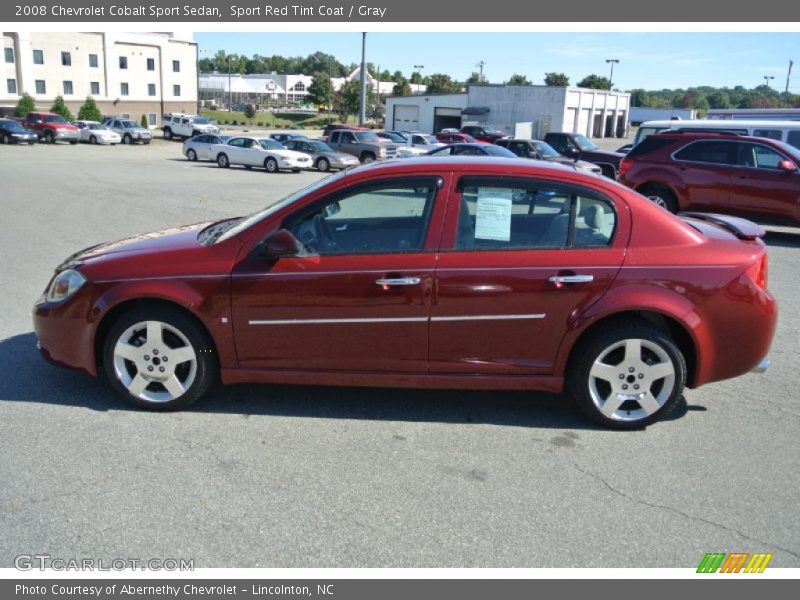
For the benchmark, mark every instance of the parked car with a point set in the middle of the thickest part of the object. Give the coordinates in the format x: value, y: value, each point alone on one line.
x: 330, y: 127
x: 456, y: 137
x: 197, y: 148
x: 363, y: 144
x: 323, y: 157
x: 258, y: 152
x: 472, y: 150
x: 186, y: 126
x: 579, y: 147
x: 484, y: 133
x: 96, y: 133
x: 456, y: 273
x: 716, y: 172
x: 51, y: 127
x: 539, y: 150
x: 11, y: 132
x: 129, y: 130
x: 282, y: 138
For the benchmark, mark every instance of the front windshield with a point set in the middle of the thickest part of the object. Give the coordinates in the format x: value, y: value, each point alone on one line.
x: 366, y: 136
x: 13, y: 126
x: 94, y: 126
x: 320, y: 147
x: 128, y: 124
x: 268, y: 144
x: 585, y: 143
x: 429, y: 139
x: 54, y: 119
x: 239, y: 226
x: 546, y: 150
x: 499, y: 151
x: 395, y: 137
x: 489, y: 129
x: 645, y: 131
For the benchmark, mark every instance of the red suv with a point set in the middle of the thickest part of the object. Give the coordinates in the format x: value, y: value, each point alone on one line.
x: 724, y: 173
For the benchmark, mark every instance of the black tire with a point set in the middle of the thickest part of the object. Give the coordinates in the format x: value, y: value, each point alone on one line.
x: 146, y: 142
x: 609, y: 171
x: 367, y: 157
x: 50, y: 137
x: 127, y: 139
x: 660, y: 195
x: 93, y: 140
x: 271, y: 165
x: 191, y: 155
x: 73, y: 142
x: 603, y: 348
x: 222, y: 161
x: 167, y: 133
x: 323, y: 165
x: 6, y: 139
x: 205, y: 372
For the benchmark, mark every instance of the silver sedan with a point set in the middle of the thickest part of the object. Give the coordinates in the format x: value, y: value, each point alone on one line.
x: 323, y: 157
x: 196, y: 148
x: 96, y: 133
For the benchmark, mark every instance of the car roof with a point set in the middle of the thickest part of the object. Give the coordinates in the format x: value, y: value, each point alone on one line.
x: 708, y: 135
x: 499, y: 165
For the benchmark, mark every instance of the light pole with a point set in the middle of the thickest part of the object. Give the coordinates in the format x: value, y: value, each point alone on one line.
x: 230, y: 89
x: 767, y: 78
x: 362, y: 90
x: 613, y: 61
x: 418, y: 69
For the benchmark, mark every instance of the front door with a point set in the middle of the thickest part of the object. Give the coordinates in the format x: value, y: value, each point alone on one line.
x: 358, y: 298
x: 760, y: 186
x: 528, y: 256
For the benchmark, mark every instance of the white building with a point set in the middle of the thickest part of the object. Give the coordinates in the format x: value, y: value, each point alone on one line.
x: 594, y: 113
x: 285, y: 89
x: 129, y: 74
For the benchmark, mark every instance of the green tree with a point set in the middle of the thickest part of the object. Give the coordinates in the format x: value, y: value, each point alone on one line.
x: 349, y: 98
x: 89, y: 111
x: 250, y: 112
x: 640, y: 97
x: 517, y: 79
x: 25, y: 105
x: 416, y: 77
x: 556, y: 79
x: 143, y: 122
x: 718, y: 99
x: 595, y: 82
x: 440, y: 83
x: 401, y: 87
x: 321, y: 88
x: 702, y: 107
x: 475, y: 77
x: 61, y: 109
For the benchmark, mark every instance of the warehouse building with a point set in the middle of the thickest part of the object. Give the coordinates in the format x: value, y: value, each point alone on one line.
x: 539, y: 109
x: 127, y: 74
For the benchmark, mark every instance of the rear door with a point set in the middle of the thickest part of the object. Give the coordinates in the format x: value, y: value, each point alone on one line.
x: 519, y: 259
x: 705, y: 169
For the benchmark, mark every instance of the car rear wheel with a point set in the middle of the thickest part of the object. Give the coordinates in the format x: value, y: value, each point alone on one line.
x: 323, y: 164
x: 367, y: 157
x: 271, y: 165
x: 222, y: 161
x: 628, y: 376
x: 191, y: 154
x: 159, y: 358
x: 661, y: 195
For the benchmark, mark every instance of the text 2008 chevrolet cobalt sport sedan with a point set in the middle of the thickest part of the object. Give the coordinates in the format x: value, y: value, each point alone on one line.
x: 479, y: 273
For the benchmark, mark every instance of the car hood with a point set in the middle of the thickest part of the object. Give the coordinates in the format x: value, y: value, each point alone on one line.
x: 602, y: 154
x: 175, y: 238
x: 565, y: 160
x: 66, y: 126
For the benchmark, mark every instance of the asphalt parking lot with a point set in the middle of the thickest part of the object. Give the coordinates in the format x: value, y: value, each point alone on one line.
x: 335, y: 477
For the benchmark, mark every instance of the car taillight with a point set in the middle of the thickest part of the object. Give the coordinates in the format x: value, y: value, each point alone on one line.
x: 757, y: 272
x: 623, y: 167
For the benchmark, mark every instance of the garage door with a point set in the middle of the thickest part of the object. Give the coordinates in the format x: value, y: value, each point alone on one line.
x: 446, y: 117
x: 406, y: 118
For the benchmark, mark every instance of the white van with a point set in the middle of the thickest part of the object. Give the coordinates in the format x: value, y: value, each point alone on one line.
x: 784, y: 131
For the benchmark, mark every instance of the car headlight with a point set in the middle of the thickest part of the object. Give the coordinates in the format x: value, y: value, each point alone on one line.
x: 64, y: 285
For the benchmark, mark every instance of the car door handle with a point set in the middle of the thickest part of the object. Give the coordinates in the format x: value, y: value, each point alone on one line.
x: 390, y: 281
x: 570, y: 278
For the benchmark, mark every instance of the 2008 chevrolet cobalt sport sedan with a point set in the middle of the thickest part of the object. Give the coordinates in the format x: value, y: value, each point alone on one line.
x: 457, y: 273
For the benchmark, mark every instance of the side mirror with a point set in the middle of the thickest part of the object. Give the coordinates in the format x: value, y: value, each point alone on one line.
x: 280, y: 244
x: 573, y: 151
x: 331, y: 209
x: 787, y: 165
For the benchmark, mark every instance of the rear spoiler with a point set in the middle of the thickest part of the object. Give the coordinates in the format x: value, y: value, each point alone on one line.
x: 741, y: 228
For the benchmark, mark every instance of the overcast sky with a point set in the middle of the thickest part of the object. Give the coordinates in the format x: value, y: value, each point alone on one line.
x: 647, y: 60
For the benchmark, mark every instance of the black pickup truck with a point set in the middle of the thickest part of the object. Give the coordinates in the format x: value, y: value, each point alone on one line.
x: 579, y: 147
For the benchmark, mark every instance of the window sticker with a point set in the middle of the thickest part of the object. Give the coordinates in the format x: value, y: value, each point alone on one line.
x: 493, y: 215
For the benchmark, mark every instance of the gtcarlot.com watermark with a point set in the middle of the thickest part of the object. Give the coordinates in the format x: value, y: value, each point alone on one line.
x: 45, y: 562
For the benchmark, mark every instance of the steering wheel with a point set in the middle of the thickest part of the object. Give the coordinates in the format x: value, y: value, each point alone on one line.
x: 323, y: 233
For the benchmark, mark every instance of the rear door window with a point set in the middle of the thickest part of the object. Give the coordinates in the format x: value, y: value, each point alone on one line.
x: 714, y: 152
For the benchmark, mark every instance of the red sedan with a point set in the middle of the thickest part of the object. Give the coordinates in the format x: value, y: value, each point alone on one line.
x: 451, y: 273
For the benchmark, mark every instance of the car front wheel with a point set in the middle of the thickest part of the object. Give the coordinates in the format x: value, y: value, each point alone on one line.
x: 127, y: 139
x: 271, y: 165
x: 50, y: 137
x: 628, y: 376
x: 159, y: 358
x: 222, y: 161
x: 323, y: 164
x: 191, y: 154
x: 6, y: 139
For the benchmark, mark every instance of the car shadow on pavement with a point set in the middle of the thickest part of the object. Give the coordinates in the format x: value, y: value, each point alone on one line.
x: 783, y: 239
x: 26, y: 377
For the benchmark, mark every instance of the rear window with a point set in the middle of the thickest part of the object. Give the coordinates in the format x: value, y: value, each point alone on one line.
x: 649, y: 145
